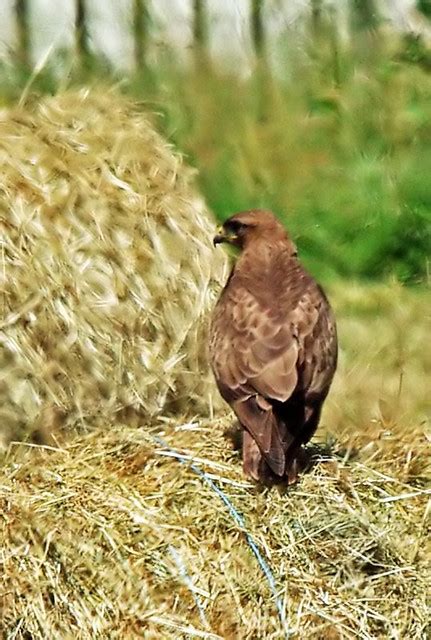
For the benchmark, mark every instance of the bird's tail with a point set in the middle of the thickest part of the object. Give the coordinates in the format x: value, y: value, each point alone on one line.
x: 266, y: 430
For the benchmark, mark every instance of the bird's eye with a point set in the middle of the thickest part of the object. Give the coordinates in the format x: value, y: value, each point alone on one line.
x: 236, y: 226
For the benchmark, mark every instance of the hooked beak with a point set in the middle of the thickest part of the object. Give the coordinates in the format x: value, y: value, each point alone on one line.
x: 222, y: 236
x: 218, y: 239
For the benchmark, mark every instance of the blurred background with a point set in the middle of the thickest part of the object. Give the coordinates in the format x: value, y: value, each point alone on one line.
x: 318, y: 109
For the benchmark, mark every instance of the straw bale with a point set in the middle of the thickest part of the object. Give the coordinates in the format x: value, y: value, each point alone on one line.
x: 107, y: 269
x: 112, y: 537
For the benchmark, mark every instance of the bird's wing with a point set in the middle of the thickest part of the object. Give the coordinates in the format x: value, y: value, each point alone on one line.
x: 256, y: 339
x: 318, y: 349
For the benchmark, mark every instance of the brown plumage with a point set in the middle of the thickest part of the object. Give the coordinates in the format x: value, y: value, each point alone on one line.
x: 273, y: 346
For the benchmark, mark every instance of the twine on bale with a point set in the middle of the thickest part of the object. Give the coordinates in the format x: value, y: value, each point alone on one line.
x: 110, y: 506
x: 177, y: 558
x: 239, y: 519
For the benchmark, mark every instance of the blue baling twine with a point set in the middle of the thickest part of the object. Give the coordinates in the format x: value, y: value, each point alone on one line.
x: 189, y: 583
x: 239, y: 519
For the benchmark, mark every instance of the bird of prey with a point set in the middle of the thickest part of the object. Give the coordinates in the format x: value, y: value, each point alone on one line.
x: 273, y: 346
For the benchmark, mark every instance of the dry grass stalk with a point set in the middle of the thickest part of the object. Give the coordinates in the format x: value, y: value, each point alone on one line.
x: 111, y: 537
x: 106, y: 267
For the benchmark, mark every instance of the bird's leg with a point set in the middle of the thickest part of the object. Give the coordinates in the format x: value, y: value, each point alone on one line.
x: 297, y: 458
x: 254, y: 464
x: 297, y: 461
x: 292, y: 472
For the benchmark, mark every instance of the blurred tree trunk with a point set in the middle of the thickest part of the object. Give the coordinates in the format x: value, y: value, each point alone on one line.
x: 316, y: 17
x: 264, y: 87
x: 199, y: 23
x: 23, y: 31
x: 81, y: 32
x: 325, y: 45
x: 200, y: 33
x: 257, y: 28
x: 366, y: 41
x: 335, y: 48
x: 318, y: 31
x: 365, y: 14
x: 141, y: 19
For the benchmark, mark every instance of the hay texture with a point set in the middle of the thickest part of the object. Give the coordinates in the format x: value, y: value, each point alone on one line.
x: 107, y: 269
x: 114, y: 536
x: 128, y: 533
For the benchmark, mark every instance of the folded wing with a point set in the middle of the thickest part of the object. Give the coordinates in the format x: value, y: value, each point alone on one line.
x: 258, y: 336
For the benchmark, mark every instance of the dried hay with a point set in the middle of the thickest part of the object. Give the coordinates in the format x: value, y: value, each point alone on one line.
x: 115, y: 535
x: 107, y: 268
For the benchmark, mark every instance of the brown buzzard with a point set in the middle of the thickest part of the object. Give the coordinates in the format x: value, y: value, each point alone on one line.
x: 273, y: 346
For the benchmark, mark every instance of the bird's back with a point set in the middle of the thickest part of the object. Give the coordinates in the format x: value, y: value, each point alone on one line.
x: 277, y: 292
x: 273, y: 349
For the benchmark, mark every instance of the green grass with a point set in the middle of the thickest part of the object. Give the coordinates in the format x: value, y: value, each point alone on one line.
x: 347, y: 168
x: 337, y: 144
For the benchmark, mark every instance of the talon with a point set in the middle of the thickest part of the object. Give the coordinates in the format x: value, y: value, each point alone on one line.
x: 293, y: 472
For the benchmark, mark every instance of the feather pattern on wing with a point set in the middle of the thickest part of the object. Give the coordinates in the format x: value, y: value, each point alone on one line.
x: 272, y: 342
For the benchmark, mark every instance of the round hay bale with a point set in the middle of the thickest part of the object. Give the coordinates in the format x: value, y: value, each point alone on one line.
x: 107, y: 267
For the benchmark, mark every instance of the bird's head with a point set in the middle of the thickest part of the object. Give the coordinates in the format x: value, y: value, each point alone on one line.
x: 248, y: 226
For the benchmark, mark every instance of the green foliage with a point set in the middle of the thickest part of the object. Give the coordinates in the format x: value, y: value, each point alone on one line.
x: 336, y: 142
x: 346, y: 167
x: 425, y: 7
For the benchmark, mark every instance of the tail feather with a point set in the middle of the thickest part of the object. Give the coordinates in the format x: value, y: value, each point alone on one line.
x: 269, y: 434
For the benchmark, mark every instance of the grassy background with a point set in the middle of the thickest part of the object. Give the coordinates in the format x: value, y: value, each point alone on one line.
x: 346, y: 167
x: 335, y: 138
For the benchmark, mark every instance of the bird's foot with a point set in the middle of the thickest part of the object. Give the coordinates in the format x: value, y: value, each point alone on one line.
x: 296, y: 465
x: 292, y: 472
